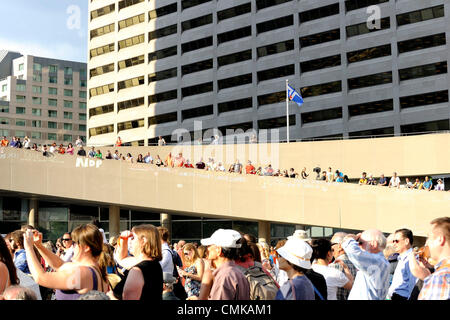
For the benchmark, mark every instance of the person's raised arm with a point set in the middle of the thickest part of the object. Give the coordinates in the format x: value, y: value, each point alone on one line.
x: 122, y: 256
x: 53, y: 260
x: 362, y: 259
x: 419, y: 271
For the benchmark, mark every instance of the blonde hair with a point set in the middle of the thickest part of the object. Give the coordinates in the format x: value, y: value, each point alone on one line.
x: 189, y: 247
x: 201, y: 251
x: 152, y: 248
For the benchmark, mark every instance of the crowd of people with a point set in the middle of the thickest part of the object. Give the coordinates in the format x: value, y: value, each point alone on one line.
x: 140, y: 264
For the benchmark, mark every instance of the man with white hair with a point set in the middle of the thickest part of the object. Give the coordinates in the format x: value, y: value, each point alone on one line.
x: 341, y: 259
x: 365, y: 251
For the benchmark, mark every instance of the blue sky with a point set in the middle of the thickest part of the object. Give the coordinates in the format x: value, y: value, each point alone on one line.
x: 47, y: 28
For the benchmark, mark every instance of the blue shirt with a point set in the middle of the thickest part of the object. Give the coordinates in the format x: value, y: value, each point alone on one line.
x: 20, y: 261
x: 303, y: 290
x: 372, y: 279
x: 403, y: 281
x: 427, y: 184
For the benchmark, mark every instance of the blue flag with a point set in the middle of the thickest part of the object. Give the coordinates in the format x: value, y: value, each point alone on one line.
x: 294, y: 96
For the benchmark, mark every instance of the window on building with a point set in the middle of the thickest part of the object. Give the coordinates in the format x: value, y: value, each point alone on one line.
x: 101, y: 70
x: 20, y: 99
x: 52, y: 79
x: 197, y: 89
x: 185, y: 4
x: 133, y: 103
x: 103, y: 11
x: 133, y: 41
x: 274, y: 24
x: 37, y: 89
x: 138, y: 81
x: 21, y: 67
x: 322, y: 63
x: 68, y: 81
x: 19, y: 87
x: 4, y: 121
x: 68, y: 71
x: 68, y: 115
x: 81, y: 127
x: 51, y: 136
x: 36, y: 135
x: 163, y: 32
x: 197, y: 112
x: 161, y: 54
x: 130, y: 125
x: 351, y: 5
x: 102, y: 31
x: 322, y: 115
x: 234, y: 34
x: 372, y: 132
x: 278, y: 72
x: 369, y: 53
x: 101, y: 110
x: 234, y: 11
x: 318, y: 38
x: 163, y: 96
x: 52, y: 113
x: 68, y: 104
x: 420, y: 15
x: 101, y: 130
x: 162, y: 75
x: 370, y: 80
x: 53, y: 69
x: 234, y: 57
x: 37, y: 77
x: 53, y: 102
x: 36, y: 112
x: 131, y: 21
x: 271, y: 98
x: 261, y: 4
x: 68, y: 92
x: 196, y: 67
x: 427, y: 70
x: 424, y: 99
x: 36, y: 123
x: 102, y: 90
x: 235, y: 105
x: 196, y: 44
x: 371, y: 107
x: 67, y: 138
x: 361, y: 28
x: 37, y: 67
x: 319, y: 13
x: 235, y: 81
x: 82, y: 105
x: 162, y: 118
x: 131, y: 62
x: 68, y: 126
x: 36, y: 100
x: 439, y: 125
x: 20, y: 134
x: 82, y: 94
x: 321, y: 89
x: 127, y: 3
x: 52, y: 125
x: 421, y: 43
x: 196, y: 22
x: 275, y: 48
x: 53, y: 91
x: 102, y: 50
x: 276, y: 122
x: 159, y: 12
x: 21, y: 122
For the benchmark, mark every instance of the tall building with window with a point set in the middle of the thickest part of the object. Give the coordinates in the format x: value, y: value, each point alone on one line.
x: 157, y: 66
x: 42, y: 98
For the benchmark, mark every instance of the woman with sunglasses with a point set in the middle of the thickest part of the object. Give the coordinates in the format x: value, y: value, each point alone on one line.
x: 193, y: 272
x: 70, y: 279
x: 143, y: 279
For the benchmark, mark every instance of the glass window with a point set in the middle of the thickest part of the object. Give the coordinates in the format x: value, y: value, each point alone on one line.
x: 163, y: 96
x: 322, y: 63
x: 102, y: 90
x: 36, y: 100
x: 197, y: 112
x: 4, y: 121
x: 19, y: 87
x: 82, y: 116
x: 102, y: 31
x: 51, y: 136
x: 53, y: 102
x: 52, y: 79
x: 101, y: 70
x: 319, y: 13
x: 197, y: 22
x: 318, y: 38
x: 421, y: 43
x: 52, y: 125
x: 83, y: 94
x: 37, y: 77
x: 196, y: 67
x: 52, y: 113
x: 68, y: 81
x: 321, y: 89
x: 261, y: 4
x: 278, y: 72
x: 128, y: 3
x: 234, y: 34
x: 53, y: 68
x: 370, y: 80
x: 36, y: 123
x: 67, y: 138
x: 235, y: 81
x: 21, y: 122
x: 369, y: 53
x: 36, y: 112
x: 82, y: 105
x: 423, y: 71
x: 68, y: 115
x: 103, y: 11
x: 133, y: 103
x: 20, y: 134
x: 5, y: 87
x: 162, y: 118
x: 361, y: 28
x: 162, y: 75
x: 133, y: 41
x: 425, y: 126
x: 197, y: 89
x: 131, y: 62
x: 159, y: 12
x: 234, y: 11
x: 131, y: 21
x: 235, y: 105
x: 36, y: 135
x: 101, y: 110
x: 163, y: 32
x: 372, y: 133
x: 20, y: 99
x: 68, y: 126
x: 357, y: 4
x: 234, y: 57
x: 420, y: 15
x: 196, y: 44
x: 68, y: 92
x: 322, y: 115
x: 81, y: 127
x: 68, y: 104
x: 371, y: 107
x: 37, y: 67
x: 102, y: 50
x: 53, y: 91
x: 275, y: 48
x: 161, y: 54
x: 68, y: 71
x: 130, y: 83
x: 424, y: 99
x: 185, y: 4
x: 276, y: 122
x: 271, y: 98
x: 21, y: 66
x: 37, y: 89
x: 130, y: 125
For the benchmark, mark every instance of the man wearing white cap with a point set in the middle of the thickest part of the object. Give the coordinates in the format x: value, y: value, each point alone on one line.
x: 229, y: 281
x: 295, y: 259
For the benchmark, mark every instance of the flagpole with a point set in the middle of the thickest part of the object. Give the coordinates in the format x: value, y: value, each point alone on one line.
x: 287, y: 110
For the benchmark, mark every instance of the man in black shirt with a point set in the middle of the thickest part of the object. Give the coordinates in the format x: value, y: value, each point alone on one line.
x: 81, y: 152
x: 200, y: 164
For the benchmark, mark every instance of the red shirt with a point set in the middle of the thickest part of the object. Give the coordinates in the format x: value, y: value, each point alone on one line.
x: 250, y: 169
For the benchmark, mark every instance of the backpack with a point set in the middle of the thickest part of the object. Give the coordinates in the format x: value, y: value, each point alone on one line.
x: 262, y: 286
x: 178, y: 288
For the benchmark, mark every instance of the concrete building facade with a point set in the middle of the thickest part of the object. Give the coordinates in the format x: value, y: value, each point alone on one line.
x: 42, y: 98
x: 157, y: 66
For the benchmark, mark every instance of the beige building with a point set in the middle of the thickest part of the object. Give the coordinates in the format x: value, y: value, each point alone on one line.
x: 42, y: 98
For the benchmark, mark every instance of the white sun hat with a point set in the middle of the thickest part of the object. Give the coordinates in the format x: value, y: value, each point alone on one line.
x: 300, y: 234
x: 225, y: 238
x: 297, y: 252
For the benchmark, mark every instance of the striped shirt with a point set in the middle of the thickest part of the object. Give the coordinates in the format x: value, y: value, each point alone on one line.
x: 437, y: 285
x: 342, y: 294
x: 372, y: 279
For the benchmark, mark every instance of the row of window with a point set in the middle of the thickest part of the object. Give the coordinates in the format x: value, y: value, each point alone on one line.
x: 51, y: 102
x: 51, y: 113
x: 39, y: 124
x: 41, y: 135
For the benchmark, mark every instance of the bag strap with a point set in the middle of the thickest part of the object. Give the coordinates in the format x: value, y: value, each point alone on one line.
x: 317, y: 292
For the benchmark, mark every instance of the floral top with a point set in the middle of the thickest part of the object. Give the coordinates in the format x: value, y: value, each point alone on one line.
x: 192, y: 286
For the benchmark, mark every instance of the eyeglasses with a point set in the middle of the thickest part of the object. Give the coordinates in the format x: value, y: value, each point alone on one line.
x: 66, y: 239
x: 395, y: 241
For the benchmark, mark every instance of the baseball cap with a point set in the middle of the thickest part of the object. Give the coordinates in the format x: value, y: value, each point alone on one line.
x: 297, y: 252
x: 300, y: 234
x: 226, y: 238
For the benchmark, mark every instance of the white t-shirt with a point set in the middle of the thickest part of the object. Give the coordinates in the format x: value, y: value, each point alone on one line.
x: 395, y: 182
x: 334, y: 278
x: 28, y: 282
